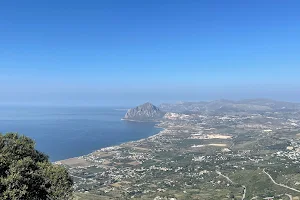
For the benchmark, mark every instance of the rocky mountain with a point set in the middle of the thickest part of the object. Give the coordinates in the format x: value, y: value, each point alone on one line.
x: 144, y: 112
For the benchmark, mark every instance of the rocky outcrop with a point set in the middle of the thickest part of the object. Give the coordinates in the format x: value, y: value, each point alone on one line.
x: 145, y: 112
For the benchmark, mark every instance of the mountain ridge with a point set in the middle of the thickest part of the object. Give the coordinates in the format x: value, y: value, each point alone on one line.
x: 225, y: 106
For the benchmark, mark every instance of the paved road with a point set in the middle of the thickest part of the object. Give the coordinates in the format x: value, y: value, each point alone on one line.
x: 290, y: 196
x: 224, y: 176
x: 279, y: 184
x: 244, y: 192
x: 244, y: 187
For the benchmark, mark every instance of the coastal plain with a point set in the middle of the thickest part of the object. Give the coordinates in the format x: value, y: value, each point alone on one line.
x: 251, y: 152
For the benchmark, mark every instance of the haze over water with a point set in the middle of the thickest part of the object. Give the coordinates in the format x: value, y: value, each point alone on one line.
x: 65, y: 132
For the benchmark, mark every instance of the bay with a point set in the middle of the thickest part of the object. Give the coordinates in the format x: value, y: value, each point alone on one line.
x: 65, y: 132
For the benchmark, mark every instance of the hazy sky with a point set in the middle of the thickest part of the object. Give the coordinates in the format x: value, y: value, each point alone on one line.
x: 117, y: 52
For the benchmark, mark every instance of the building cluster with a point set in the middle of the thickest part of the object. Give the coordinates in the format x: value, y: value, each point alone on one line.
x: 185, y: 155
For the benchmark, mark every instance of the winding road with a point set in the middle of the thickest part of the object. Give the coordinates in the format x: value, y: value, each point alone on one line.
x: 244, y: 187
x: 290, y: 196
x: 279, y: 184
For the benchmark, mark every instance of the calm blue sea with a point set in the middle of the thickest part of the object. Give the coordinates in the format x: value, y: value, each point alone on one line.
x: 64, y: 132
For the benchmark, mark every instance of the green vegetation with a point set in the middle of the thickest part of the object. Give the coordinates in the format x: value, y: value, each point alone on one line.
x: 26, y: 173
x: 190, y: 159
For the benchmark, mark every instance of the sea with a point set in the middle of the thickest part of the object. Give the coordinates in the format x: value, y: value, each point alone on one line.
x: 66, y: 132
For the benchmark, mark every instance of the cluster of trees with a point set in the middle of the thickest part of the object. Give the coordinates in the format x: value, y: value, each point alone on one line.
x: 26, y: 173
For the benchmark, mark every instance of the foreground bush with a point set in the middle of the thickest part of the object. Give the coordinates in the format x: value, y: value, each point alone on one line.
x: 26, y: 173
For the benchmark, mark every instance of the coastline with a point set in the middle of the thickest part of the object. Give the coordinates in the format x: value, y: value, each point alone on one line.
x: 64, y: 161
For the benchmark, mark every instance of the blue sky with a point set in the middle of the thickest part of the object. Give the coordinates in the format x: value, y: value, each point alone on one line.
x: 115, y: 52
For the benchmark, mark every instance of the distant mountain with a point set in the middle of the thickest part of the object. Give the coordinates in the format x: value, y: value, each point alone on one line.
x: 144, y: 112
x: 182, y: 107
x: 227, y: 106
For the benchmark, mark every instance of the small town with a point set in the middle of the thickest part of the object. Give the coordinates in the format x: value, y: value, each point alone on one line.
x: 195, y: 156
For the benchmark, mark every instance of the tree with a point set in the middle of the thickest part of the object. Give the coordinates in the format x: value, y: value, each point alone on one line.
x: 26, y: 173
